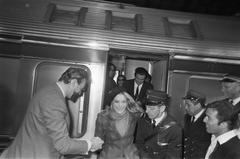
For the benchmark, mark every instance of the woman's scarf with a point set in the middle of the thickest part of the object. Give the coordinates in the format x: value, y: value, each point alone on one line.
x: 121, y: 121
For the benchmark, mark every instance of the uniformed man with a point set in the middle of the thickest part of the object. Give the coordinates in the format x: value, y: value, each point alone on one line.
x: 196, y: 138
x: 158, y: 135
x: 231, y: 89
x: 221, y: 124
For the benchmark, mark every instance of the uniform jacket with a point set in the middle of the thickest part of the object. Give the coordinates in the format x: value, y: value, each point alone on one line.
x: 228, y: 150
x: 196, y: 139
x: 44, y: 131
x: 116, y: 146
x: 129, y: 86
x: 160, y: 142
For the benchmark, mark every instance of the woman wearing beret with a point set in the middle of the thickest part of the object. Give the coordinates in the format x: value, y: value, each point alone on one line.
x: 116, y: 124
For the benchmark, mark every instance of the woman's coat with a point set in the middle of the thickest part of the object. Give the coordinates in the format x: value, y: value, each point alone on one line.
x: 116, y: 146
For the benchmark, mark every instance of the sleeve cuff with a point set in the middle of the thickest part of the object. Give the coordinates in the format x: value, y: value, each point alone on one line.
x: 89, y: 144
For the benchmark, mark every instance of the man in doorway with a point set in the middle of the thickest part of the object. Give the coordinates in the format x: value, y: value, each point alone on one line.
x: 45, y: 130
x: 196, y: 139
x: 225, y: 143
x: 137, y: 87
x: 158, y: 134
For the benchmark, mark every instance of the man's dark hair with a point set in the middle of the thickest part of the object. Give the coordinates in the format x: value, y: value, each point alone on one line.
x: 141, y: 71
x: 149, y: 77
x: 73, y: 73
x: 235, y: 119
x: 121, y: 77
x: 109, y: 65
x: 224, y: 112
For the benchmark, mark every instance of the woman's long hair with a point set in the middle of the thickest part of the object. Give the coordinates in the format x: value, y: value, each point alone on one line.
x: 132, y: 106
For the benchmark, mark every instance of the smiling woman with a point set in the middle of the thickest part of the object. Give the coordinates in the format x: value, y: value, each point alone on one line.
x: 116, y: 126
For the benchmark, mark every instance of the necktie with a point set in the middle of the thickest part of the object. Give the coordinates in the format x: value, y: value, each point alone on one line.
x: 153, y: 123
x: 136, y: 93
x: 214, y: 150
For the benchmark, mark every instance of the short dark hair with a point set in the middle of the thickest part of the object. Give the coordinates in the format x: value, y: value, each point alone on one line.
x: 109, y: 65
x: 235, y: 119
x: 74, y: 73
x: 224, y: 112
x: 121, y: 76
x: 149, y: 77
x: 141, y: 71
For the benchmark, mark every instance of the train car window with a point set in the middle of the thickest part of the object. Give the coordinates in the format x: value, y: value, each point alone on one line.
x: 180, y: 28
x: 48, y: 73
x: 95, y: 18
x: 210, y: 86
x: 123, y: 21
x: 65, y: 15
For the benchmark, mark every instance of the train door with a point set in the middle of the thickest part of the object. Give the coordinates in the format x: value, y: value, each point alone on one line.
x: 127, y: 61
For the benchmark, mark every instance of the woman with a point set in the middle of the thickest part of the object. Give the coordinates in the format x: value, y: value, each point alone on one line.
x: 116, y: 126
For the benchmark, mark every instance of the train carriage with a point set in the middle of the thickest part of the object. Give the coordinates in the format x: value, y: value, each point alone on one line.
x: 41, y: 38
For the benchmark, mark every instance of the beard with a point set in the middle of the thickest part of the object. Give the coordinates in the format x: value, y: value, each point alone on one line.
x: 75, y: 96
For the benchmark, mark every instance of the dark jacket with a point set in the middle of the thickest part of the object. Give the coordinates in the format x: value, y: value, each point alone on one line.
x: 196, y: 139
x: 129, y: 86
x: 109, y: 85
x: 228, y: 150
x: 163, y: 141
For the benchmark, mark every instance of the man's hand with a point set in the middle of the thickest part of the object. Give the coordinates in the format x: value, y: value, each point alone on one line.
x: 96, y: 144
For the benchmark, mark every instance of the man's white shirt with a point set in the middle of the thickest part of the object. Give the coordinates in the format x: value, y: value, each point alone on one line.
x: 221, y: 139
